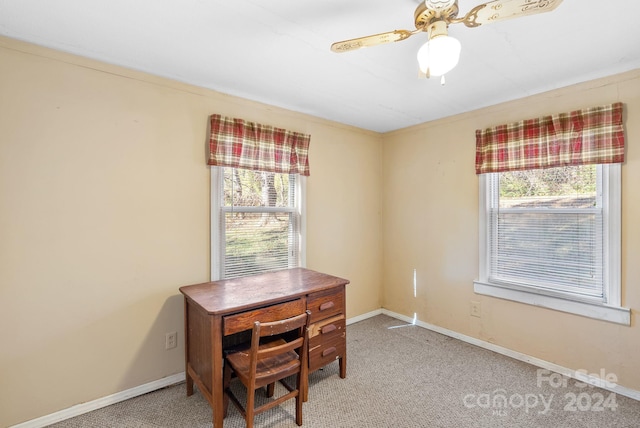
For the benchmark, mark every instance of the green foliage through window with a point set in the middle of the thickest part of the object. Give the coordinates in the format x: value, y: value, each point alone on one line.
x: 260, y: 222
x: 564, y: 187
x: 247, y: 188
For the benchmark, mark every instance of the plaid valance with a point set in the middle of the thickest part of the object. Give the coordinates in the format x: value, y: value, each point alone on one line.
x: 241, y: 144
x: 589, y: 136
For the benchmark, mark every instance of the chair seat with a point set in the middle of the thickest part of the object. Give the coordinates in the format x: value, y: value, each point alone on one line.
x: 267, y: 368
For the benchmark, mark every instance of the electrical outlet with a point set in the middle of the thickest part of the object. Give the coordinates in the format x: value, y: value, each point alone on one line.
x: 170, y: 340
x: 475, y: 309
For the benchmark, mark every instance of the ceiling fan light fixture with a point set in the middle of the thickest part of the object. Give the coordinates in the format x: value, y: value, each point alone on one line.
x: 439, y: 55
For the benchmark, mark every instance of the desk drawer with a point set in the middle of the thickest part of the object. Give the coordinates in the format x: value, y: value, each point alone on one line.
x: 325, y: 304
x: 244, y: 320
x: 327, y: 352
x: 326, y: 330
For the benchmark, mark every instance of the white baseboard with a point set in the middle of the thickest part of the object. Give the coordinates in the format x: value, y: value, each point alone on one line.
x: 592, y: 380
x: 80, y: 409
x: 364, y: 316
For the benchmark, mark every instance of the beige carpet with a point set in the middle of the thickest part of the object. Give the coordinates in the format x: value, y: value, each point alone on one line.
x: 402, y: 377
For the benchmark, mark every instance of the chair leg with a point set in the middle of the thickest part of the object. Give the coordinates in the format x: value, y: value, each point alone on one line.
x: 299, y: 398
x: 226, y: 382
x: 304, y: 388
x: 270, y: 389
x: 251, y: 393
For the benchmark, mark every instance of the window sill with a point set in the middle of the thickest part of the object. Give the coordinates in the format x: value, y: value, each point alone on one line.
x: 612, y: 314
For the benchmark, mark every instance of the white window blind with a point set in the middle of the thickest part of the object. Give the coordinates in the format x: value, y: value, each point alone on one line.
x: 258, y: 222
x: 546, y: 230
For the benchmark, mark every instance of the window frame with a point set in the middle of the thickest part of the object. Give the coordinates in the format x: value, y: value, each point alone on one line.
x: 216, y: 211
x: 610, y: 308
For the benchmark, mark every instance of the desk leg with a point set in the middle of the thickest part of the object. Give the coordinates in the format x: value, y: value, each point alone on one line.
x: 189, y: 379
x: 217, y: 392
x: 343, y: 359
x: 189, y: 386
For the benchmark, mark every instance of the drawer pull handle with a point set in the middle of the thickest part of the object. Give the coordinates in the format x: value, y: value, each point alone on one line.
x: 327, y: 305
x: 328, y: 328
x: 329, y: 351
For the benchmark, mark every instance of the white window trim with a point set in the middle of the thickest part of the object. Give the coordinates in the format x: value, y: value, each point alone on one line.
x: 215, y: 210
x: 612, y: 311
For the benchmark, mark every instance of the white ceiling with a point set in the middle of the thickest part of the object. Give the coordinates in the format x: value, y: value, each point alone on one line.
x: 277, y: 51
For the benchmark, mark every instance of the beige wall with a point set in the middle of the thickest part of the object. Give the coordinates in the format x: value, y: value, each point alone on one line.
x: 430, y: 223
x: 105, y: 212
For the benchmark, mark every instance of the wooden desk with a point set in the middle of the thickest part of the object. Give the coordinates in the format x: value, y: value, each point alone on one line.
x: 216, y: 312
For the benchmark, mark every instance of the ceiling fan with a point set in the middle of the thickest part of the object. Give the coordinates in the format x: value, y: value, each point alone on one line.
x: 441, y: 53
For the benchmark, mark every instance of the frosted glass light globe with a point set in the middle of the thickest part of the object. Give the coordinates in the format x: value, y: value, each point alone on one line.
x: 439, y: 55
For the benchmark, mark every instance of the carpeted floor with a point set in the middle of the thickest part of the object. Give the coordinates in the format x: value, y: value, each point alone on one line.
x: 402, y: 377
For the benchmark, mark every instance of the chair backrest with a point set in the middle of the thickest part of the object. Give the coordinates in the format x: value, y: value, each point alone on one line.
x: 297, y: 323
x: 281, y: 326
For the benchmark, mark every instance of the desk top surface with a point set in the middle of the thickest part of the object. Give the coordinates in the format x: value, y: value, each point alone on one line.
x: 238, y: 294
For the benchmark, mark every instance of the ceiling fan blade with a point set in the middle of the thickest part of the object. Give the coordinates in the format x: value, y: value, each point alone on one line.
x: 376, y: 39
x: 499, y: 10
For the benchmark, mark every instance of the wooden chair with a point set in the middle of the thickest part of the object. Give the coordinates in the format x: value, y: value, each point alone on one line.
x: 272, y: 356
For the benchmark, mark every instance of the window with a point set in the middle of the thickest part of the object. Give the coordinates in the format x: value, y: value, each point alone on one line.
x: 256, y: 221
x: 257, y: 190
x: 551, y: 237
